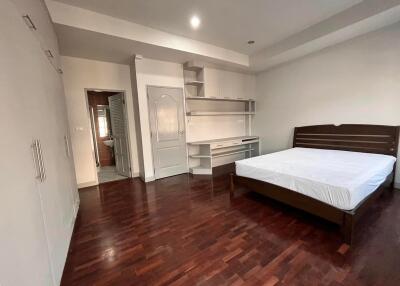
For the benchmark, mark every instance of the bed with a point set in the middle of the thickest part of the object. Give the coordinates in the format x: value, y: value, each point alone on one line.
x: 334, y: 172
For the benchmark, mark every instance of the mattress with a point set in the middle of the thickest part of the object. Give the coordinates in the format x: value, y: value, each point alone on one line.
x: 339, y: 178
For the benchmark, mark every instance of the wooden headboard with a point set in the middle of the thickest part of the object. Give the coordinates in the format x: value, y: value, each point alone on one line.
x: 379, y: 139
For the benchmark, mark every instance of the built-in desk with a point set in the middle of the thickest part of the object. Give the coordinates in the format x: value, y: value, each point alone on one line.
x: 204, y: 155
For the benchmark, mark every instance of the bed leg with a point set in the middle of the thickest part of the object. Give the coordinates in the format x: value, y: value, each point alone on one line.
x: 231, y: 184
x: 347, y: 228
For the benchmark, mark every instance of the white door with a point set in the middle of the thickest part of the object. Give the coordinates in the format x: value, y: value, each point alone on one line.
x: 57, y: 189
x: 35, y: 215
x: 167, y: 127
x: 118, y: 127
x: 24, y: 258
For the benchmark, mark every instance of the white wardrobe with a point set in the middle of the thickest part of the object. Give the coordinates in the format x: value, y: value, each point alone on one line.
x: 38, y: 193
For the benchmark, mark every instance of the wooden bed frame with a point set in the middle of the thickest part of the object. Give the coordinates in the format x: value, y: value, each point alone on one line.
x: 378, y: 139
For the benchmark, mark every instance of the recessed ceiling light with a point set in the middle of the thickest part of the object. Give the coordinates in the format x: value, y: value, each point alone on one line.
x: 195, y: 22
x: 251, y: 42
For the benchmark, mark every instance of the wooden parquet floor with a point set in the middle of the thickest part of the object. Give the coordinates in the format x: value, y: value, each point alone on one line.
x: 185, y: 230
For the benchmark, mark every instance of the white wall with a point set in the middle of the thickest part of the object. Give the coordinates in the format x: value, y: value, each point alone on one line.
x: 153, y: 73
x: 78, y: 75
x: 355, y: 82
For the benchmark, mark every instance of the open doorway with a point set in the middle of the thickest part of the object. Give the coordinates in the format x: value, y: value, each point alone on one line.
x: 109, y: 134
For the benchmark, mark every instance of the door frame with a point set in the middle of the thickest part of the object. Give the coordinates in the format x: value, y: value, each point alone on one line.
x: 149, y: 124
x: 128, y: 138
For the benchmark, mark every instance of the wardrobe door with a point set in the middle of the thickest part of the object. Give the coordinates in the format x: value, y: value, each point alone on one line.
x: 35, y: 13
x: 36, y: 111
x: 57, y: 189
x: 24, y: 256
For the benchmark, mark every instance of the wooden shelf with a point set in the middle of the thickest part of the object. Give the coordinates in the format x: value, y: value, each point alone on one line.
x: 193, y: 66
x: 219, y: 99
x: 201, y: 170
x: 199, y: 156
x: 228, y: 153
x: 246, y: 139
x: 221, y: 154
x: 194, y: 83
x: 218, y: 113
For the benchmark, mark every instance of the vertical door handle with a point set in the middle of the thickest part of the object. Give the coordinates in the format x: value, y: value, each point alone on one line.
x: 41, y: 162
x: 29, y: 22
x: 35, y: 151
x: 67, y: 150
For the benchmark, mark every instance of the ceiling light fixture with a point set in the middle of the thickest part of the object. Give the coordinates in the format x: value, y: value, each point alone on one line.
x: 195, y: 22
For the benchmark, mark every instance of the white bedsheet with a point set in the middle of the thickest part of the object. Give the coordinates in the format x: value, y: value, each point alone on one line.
x: 339, y: 178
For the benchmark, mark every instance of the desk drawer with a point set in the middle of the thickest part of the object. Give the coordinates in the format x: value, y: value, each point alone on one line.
x: 226, y: 144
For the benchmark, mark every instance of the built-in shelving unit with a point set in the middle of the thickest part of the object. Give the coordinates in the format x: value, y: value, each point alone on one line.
x: 212, y: 103
x: 218, y: 113
x: 219, y: 99
x: 196, y: 83
x: 193, y: 66
x: 203, y: 155
x: 194, y: 78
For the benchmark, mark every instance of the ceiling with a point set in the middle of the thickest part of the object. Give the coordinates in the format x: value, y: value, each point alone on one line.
x: 96, y: 46
x: 225, y: 23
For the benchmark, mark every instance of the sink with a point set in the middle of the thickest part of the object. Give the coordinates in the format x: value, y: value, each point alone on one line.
x: 109, y: 143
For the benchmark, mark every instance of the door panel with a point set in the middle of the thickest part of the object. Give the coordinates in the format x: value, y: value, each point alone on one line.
x: 38, y: 221
x: 44, y: 33
x: 169, y: 157
x: 118, y: 126
x: 168, y: 131
x: 57, y: 190
x: 167, y: 119
x: 24, y: 258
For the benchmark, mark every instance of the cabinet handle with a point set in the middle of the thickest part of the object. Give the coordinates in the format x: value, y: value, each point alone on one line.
x: 67, y: 150
x: 35, y: 151
x: 49, y: 54
x: 29, y: 22
x: 41, y: 162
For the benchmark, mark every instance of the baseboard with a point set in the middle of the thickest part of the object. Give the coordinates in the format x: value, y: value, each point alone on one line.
x: 87, y: 184
x: 397, y: 185
x: 75, y: 209
x: 135, y: 175
x: 148, y: 179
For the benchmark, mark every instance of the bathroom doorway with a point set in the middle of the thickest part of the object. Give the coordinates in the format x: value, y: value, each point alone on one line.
x: 109, y: 134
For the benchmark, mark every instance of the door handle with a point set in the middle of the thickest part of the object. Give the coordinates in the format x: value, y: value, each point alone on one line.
x: 41, y: 162
x: 29, y: 22
x: 36, y: 159
x: 182, y: 132
x: 67, y: 150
